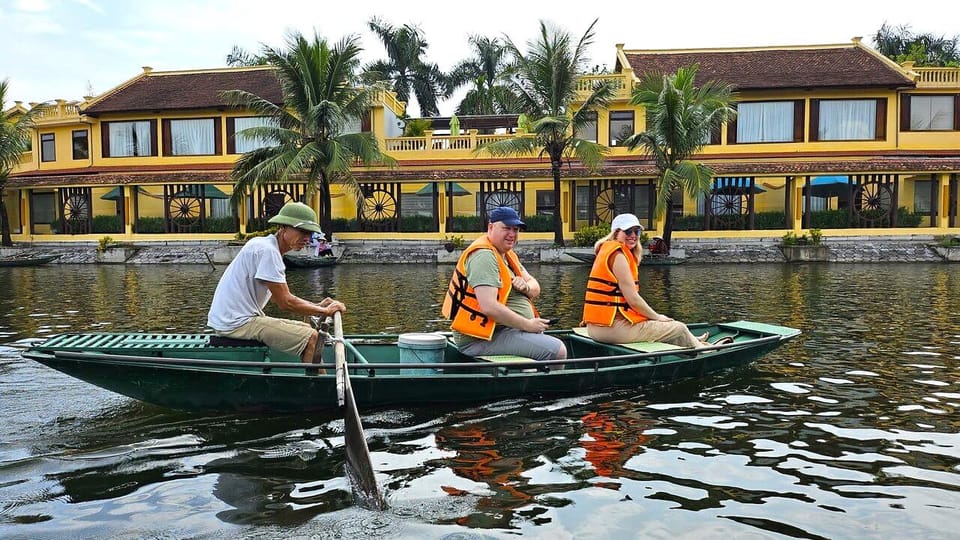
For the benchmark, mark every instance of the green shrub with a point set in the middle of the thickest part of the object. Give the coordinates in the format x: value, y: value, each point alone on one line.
x: 149, y: 225
x: 224, y: 224
x: 816, y: 237
x: 343, y: 225
x: 466, y: 224
x: 107, y: 224
x: 588, y: 235
x: 104, y: 243
x: 539, y: 223
x: 417, y: 224
x: 416, y: 127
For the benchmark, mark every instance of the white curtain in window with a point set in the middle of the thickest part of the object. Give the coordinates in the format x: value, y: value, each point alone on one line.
x: 770, y: 121
x: 246, y: 143
x: 129, y: 139
x: 848, y: 120
x: 931, y: 113
x: 192, y: 137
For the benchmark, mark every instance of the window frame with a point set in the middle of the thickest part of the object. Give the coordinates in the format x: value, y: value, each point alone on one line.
x: 105, y: 138
x: 906, y: 108
x: 232, y: 133
x: 799, y: 111
x: 623, y: 117
x: 48, y: 147
x: 168, y: 124
x: 579, y: 133
x: 880, y: 113
x: 80, y: 134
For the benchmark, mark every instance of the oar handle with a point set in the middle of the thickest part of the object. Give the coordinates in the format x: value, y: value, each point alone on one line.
x: 340, y: 357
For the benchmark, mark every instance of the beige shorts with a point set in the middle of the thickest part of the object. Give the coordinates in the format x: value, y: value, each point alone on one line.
x: 284, y: 335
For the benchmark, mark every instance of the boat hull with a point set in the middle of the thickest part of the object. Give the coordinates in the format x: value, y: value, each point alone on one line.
x: 184, y: 381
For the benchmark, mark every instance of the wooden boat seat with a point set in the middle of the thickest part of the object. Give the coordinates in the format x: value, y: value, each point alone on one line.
x: 503, y: 358
x: 220, y: 341
x: 639, y: 346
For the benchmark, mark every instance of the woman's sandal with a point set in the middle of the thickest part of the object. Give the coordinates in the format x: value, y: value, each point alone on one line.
x: 725, y: 340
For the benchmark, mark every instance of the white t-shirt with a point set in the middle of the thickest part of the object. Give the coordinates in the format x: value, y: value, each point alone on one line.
x: 242, y: 293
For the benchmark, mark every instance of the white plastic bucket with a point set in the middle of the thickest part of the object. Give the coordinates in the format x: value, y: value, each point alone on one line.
x: 421, y: 348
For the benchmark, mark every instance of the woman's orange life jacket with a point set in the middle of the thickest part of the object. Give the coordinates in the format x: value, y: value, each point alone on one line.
x: 460, y: 303
x: 604, y: 299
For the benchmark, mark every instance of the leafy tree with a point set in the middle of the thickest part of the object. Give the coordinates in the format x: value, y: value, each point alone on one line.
x: 900, y: 44
x: 16, y: 128
x: 321, y: 98
x: 240, y: 57
x: 487, y: 72
x: 545, y: 84
x: 405, y: 66
x: 680, y: 118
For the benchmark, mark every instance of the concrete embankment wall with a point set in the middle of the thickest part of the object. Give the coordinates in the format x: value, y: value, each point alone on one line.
x: 913, y: 248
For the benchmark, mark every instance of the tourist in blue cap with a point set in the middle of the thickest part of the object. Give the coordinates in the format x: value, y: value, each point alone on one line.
x: 490, y: 297
x: 257, y: 276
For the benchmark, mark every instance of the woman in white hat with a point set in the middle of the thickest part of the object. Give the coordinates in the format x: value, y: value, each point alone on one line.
x: 613, y: 310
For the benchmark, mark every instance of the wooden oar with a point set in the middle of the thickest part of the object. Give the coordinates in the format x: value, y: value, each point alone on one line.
x: 359, y: 468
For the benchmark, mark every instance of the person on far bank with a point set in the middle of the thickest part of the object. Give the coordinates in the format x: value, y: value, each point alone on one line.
x: 490, y: 297
x: 256, y: 276
x: 613, y: 310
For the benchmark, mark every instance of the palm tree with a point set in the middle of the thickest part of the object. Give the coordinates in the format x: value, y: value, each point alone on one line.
x: 901, y: 44
x: 680, y: 119
x: 240, y: 57
x: 16, y: 128
x: 487, y: 71
x: 545, y: 84
x: 405, y: 66
x: 320, y: 100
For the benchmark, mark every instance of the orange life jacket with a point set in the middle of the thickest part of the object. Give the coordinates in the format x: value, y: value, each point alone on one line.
x: 604, y: 299
x: 460, y: 303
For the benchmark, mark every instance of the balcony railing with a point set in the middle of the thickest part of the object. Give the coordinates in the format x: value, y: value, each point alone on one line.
x: 621, y: 82
x: 469, y: 142
x: 938, y: 77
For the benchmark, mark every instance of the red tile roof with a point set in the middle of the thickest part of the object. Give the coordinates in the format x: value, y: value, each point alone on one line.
x: 162, y: 91
x: 850, y: 66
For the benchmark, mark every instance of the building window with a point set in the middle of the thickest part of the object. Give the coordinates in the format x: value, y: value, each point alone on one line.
x: 922, y: 196
x: 193, y: 137
x: 416, y: 205
x: 546, y: 202
x: 621, y: 126
x: 847, y: 119
x: 931, y: 113
x: 588, y: 131
x: 129, y: 139
x: 81, y: 144
x: 765, y: 121
x: 48, y: 147
x: 237, y: 142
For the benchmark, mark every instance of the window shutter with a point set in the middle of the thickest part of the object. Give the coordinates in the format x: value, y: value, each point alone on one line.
x: 956, y: 112
x: 231, y: 135
x: 905, y: 112
x: 881, y: 119
x: 105, y: 139
x: 153, y: 137
x: 732, y: 130
x: 814, y: 119
x: 798, y: 120
x: 167, y: 139
x: 217, y: 136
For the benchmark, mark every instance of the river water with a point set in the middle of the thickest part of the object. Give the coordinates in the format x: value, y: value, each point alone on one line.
x: 850, y: 431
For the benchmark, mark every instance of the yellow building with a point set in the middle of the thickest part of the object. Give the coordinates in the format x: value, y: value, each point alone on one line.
x: 832, y: 136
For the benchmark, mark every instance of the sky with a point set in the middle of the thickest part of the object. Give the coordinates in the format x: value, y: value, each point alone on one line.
x: 67, y: 49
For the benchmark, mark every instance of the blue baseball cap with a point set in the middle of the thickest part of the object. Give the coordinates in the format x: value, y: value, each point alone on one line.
x: 506, y: 215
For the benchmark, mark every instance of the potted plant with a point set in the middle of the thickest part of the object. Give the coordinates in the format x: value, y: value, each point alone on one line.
x: 804, y: 248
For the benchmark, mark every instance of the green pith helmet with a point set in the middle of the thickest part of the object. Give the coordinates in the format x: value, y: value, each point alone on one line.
x: 297, y: 215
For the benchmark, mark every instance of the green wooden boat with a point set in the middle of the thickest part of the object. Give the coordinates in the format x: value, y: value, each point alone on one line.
x: 184, y: 371
x: 308, y: 261
x: 27, y: 260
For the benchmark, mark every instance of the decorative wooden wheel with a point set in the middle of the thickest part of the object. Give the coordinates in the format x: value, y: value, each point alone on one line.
x: 273, y: 201
x: 184, y: 210
x: 610, y: 202
x: 727, y: 209
x: 378, y: 205
x: 873, y: 201
x: 502, y: 197
x: 76, y: 209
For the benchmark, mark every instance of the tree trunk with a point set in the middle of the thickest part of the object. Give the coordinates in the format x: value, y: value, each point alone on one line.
x: 4, y: 224
x: 555, y: 165
x: 668, y: 226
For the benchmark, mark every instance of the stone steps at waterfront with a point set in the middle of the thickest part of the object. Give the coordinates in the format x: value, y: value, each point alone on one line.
x: 851, y: 249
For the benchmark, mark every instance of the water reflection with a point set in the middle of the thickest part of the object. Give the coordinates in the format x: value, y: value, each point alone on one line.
x: 852, y: 427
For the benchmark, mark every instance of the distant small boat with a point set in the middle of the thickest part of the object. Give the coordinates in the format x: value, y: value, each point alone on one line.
x: 308, y: 261
x: 26, y: 260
